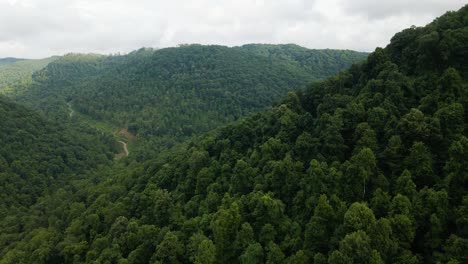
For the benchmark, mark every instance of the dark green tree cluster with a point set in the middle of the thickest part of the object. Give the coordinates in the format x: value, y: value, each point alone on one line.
x: 38, y: 157
x: 369, y: 166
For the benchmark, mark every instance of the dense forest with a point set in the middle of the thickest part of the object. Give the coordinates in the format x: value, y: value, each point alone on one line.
x: 368, y: 166
x: 321, y: 63
x: 14, y: 71
x: 38, y: 156
x: 167, y: 95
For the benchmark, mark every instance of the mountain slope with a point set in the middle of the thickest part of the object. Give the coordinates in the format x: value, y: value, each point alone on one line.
x: 368, y: 166
x: 37, y: 159
x: 14, y: 71
x: 172, y: 93
x: 322, y: 63
x: 36, y: 153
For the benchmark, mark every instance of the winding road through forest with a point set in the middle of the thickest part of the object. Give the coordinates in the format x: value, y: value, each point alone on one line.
x: 120, y: 141
x: 70, y: 108
x: 124, y: 147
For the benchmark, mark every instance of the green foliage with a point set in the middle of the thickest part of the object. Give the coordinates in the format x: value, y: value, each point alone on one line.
x: 39, y: 158
x: 18, y: 72
x: 322, y: 63
x: 359, y: 168
x: 164, y: 96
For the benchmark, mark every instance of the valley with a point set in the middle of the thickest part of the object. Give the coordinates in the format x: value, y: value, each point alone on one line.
x: 258, y: 153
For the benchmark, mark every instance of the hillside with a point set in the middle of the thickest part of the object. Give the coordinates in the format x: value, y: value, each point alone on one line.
x: 322, y: 63
x: 14, y: 71
x: 38, y: 157
x: 35, y: 150
x: 368, y: 166
x: 170, y: 94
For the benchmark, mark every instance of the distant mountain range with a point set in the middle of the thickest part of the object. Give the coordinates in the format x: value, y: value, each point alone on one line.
x: 15, y: 71
x: 253, y: 154
x: 169, y: 94
x: 9, y: 60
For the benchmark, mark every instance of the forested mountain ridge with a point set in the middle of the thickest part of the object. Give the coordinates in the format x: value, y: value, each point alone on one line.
x: 322, y: 63
x: 368, y: 166
x: 9, y: 60
x: 15, y: 71
x: 172, y: 93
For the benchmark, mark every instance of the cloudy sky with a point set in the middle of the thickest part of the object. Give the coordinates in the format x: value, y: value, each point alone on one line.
x: 40, y: 28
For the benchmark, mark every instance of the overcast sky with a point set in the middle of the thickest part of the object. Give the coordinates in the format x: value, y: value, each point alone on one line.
x: 41, y: 28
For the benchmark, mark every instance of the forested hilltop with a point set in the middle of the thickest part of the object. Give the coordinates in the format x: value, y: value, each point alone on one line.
x: 321, y: 63
x: 368, y: 166
x: 170, y: 94
x: 15, y: 71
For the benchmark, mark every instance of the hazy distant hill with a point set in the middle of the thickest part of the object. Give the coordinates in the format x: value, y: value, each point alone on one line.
x: 14, y: 71
x: 9, y: 60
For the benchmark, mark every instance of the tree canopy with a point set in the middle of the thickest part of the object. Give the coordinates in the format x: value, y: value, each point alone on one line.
x: 368, y: 166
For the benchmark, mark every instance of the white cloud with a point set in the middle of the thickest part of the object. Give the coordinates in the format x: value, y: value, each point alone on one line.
x: 39, y: 28
x: 381, y: 9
